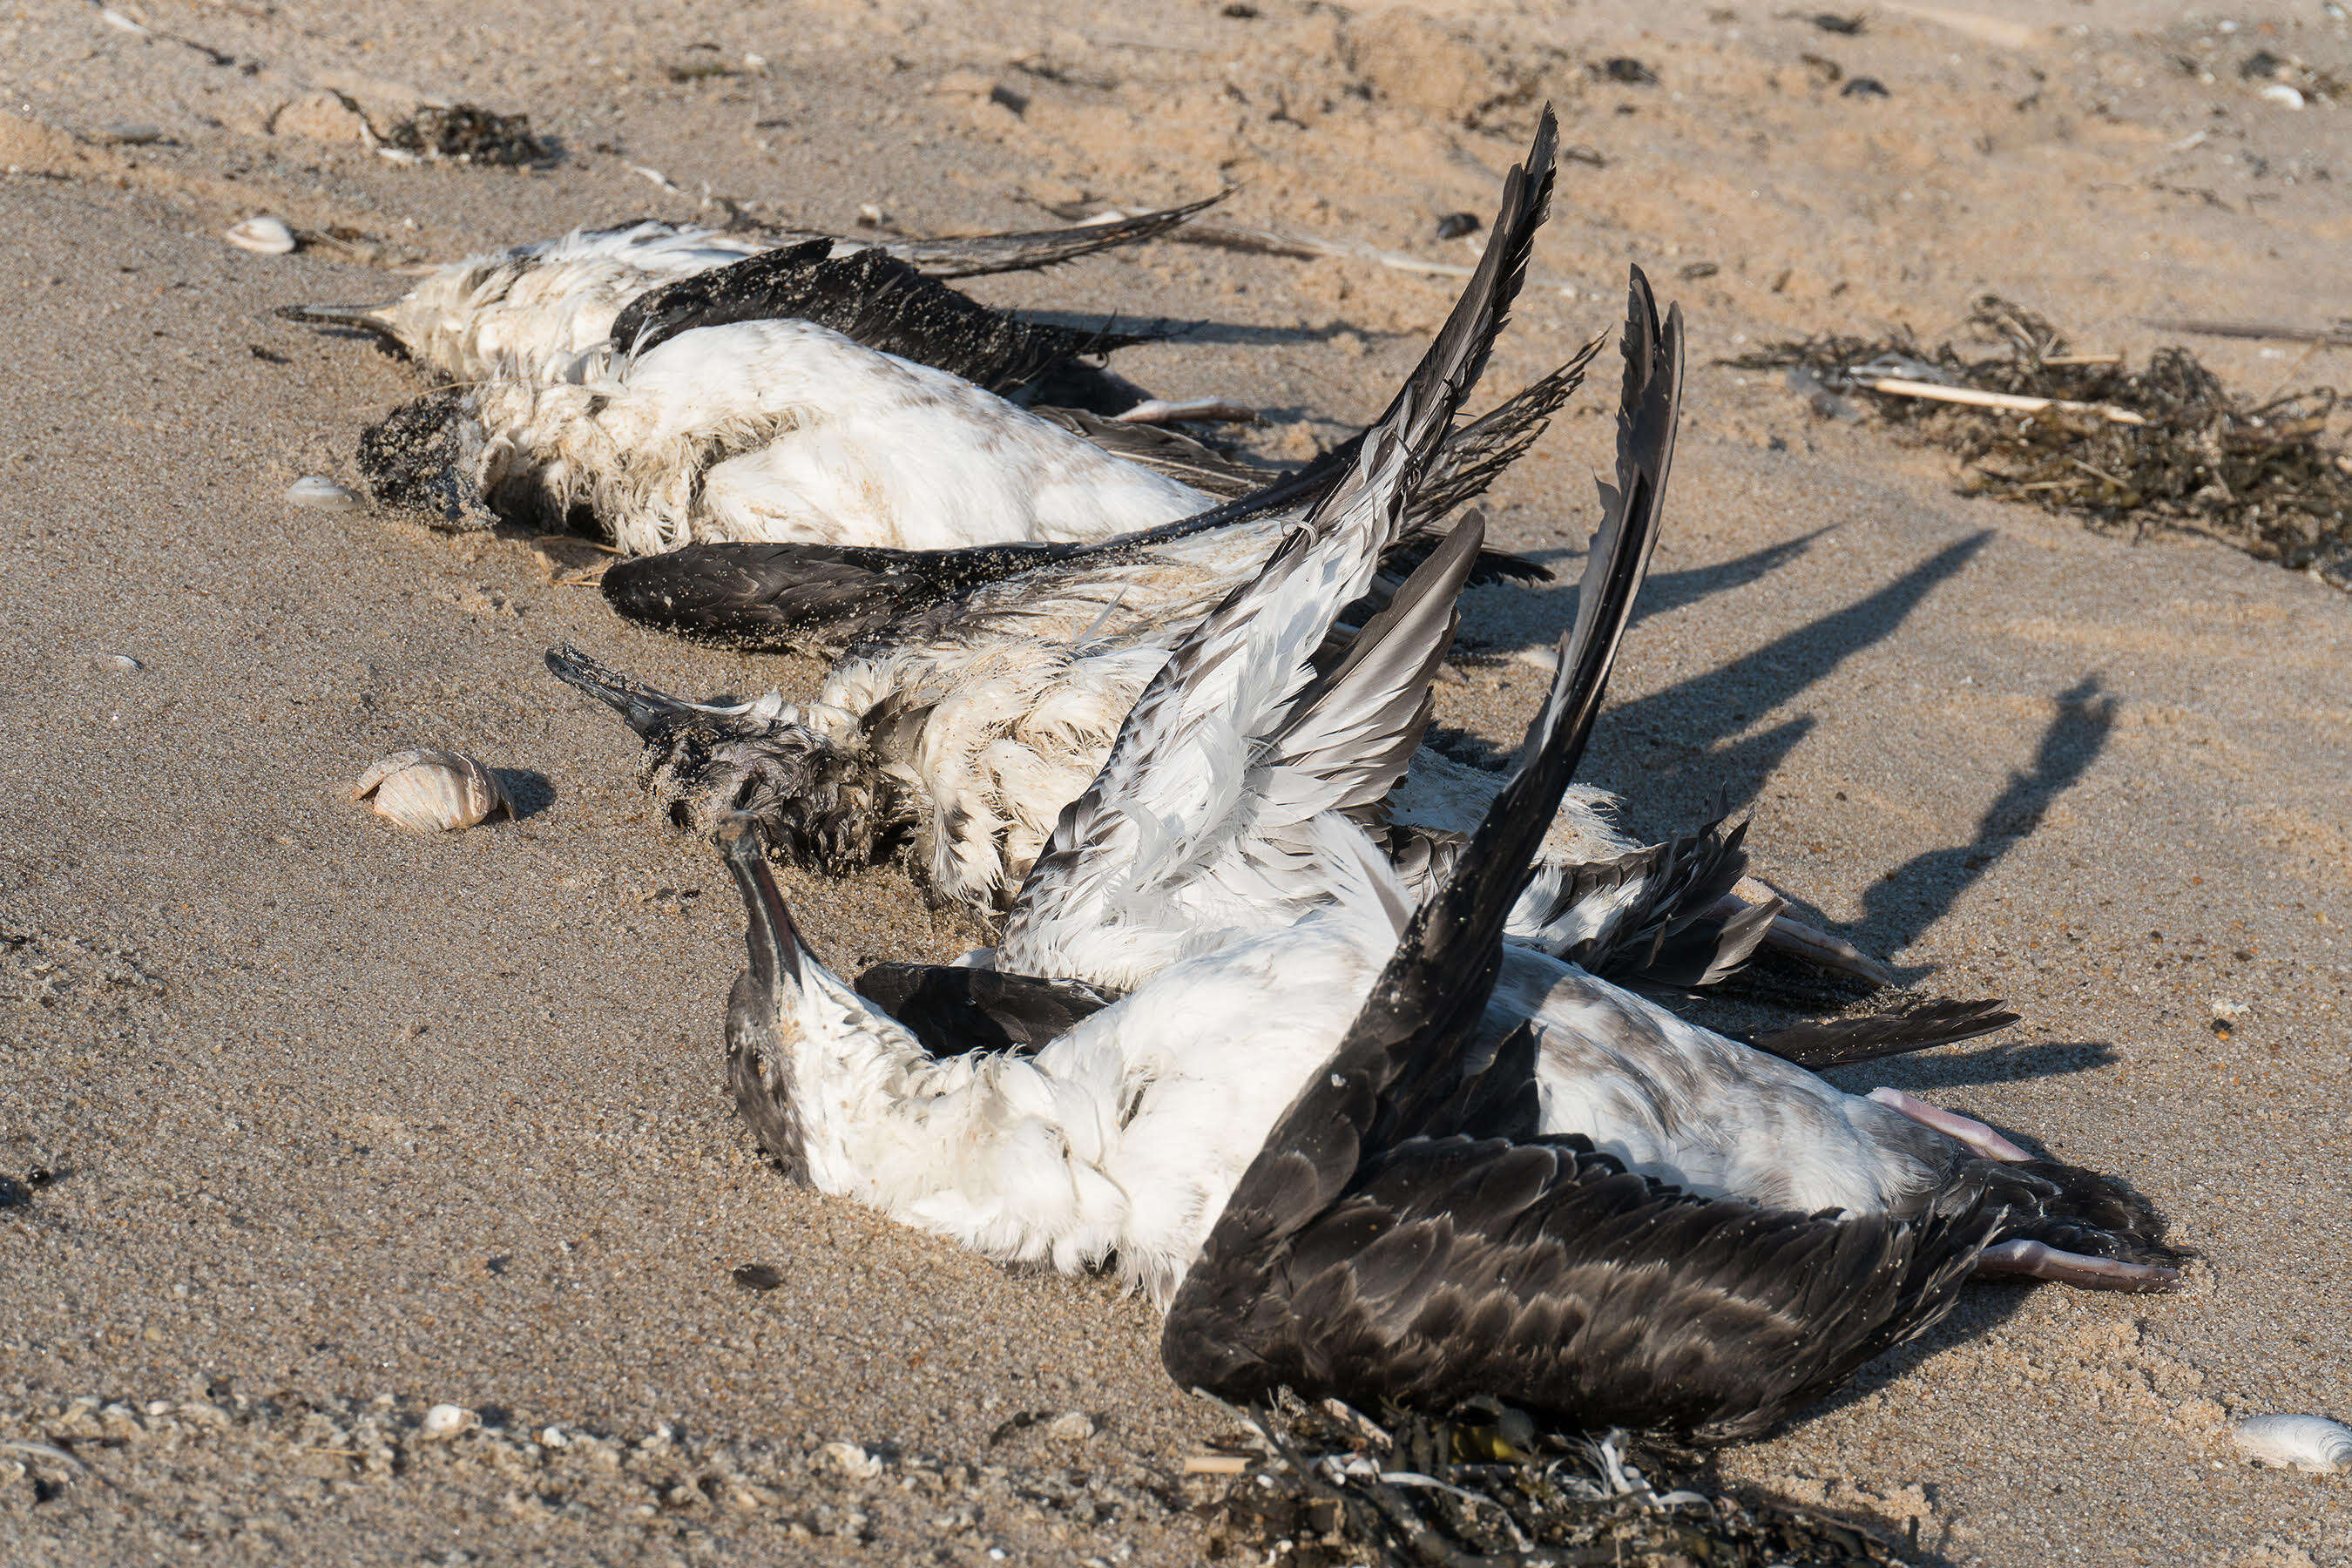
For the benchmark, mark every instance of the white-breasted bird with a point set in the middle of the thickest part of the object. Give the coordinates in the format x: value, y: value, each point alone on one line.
x: 1138, y: 1131
x: 981, y: 689
x: 526, y: 312
x: 972, y: 715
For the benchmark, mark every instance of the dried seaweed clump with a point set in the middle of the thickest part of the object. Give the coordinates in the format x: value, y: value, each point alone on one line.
x: 1327, y: 1487
x: 467, y: 133
x: 2257, y: 475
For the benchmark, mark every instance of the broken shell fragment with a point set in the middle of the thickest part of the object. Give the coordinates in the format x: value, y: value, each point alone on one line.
x: 430, y: 790
x: 266, y: 234
x: 2311, y: 1443
x: 323, y: 494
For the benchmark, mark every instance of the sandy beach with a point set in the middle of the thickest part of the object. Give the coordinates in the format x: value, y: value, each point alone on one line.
x: 307, y: 1124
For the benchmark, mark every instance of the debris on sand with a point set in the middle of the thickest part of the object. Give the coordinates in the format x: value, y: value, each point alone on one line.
x: 2167, y: 445
x: 1324, y: 1484
x: 467, y: 133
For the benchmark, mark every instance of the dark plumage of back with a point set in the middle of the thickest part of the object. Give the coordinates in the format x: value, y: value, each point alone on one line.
x: 871, y: 298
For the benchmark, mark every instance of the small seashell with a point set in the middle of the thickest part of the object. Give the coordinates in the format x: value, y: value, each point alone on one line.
x: 121, y: 23
x: 115, y: 663
x: 2278, y: 92
x: 852, y: 1460
x: 323, y: 494
x: 445, y: 1421
x: 266, y: 234
x: 130, y: 133
x: 2311, y: 1443
x: 431, y: 790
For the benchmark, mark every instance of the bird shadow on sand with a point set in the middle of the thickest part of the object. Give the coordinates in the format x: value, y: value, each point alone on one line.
x: 1904, y: 903
x: 1661, y: 592
x: 1993, y: 1063
x: 1685, y: 750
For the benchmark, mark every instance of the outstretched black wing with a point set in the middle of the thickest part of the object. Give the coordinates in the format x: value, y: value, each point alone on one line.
x: 1370, y: 1253
x: 826, y: 597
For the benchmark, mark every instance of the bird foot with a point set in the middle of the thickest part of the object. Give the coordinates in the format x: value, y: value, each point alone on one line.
x: 1208, y: 410
x: 1809, y: 943
x: 2038, y: 1260
x: 1966, y: 1131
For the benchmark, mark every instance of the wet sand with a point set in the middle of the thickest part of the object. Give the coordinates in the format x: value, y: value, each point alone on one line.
x: 346, y: 1123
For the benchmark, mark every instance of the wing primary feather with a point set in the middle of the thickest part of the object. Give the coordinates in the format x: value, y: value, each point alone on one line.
x: 1840, y: 1042
x: 1321, y: 566
x: 977, y: 256
x: 1399, y: 1060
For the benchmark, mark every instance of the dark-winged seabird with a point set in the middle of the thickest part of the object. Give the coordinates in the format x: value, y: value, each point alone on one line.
x: 527, y: 311
x: 1123, y: 1134
x: 1421, y: 1228
x: 985, y: 687
x: 975, y: 713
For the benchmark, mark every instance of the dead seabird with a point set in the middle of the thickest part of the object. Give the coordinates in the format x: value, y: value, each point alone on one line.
x: 527, y: 311
x: 973, y: 718
x: 1123, y: 1134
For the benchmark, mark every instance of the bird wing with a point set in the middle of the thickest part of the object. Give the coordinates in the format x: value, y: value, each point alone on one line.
x: 1670, y: 931
x: 1545, y: 1272
x: 974, y: 256
x: 826, y: 597
x: 1402, y: 1059
x: 1175, y: 798
x: 870, y: 297
x: 1840, y: 1042
x: 1372, y: 1252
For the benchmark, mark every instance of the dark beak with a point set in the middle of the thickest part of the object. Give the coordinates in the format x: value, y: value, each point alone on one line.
x: 774, y: 943
x: 376, y: 318
x: 646, y: 710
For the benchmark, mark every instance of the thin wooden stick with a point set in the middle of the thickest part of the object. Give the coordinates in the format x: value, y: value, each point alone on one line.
x: 1897, y: 387
x: 2081, y: 358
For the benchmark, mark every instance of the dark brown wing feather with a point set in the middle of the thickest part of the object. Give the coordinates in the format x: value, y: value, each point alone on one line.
x: 1840, y: 1042
x: 1544, y: 1273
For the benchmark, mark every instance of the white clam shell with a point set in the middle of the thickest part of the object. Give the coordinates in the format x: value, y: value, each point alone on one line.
x: 2305, y: 1442
x: 447, y: 1420
x: 266, y: 234
x: 431, y: 790
x: 322, y: 494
